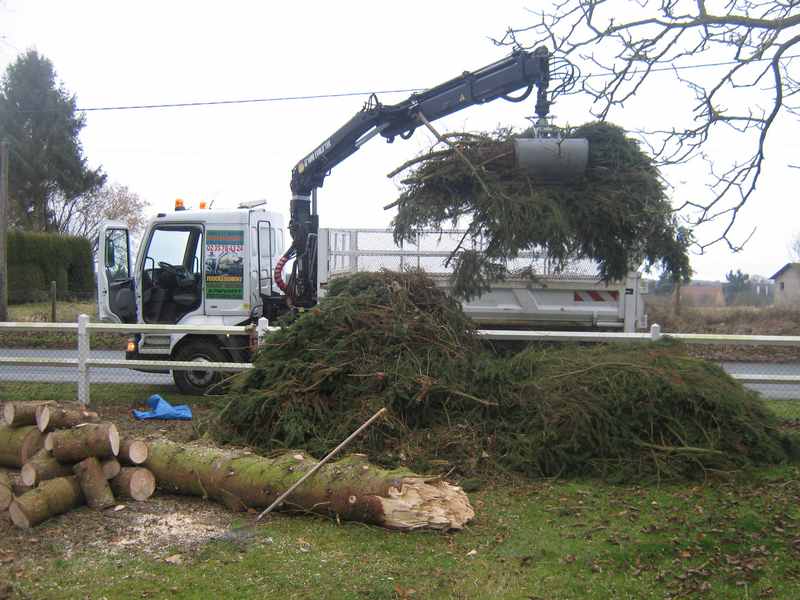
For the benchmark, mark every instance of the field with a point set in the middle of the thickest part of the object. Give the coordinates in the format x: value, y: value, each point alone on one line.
x: 735, y: 537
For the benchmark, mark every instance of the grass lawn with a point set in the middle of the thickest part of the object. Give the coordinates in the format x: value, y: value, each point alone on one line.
x: 552, y: 539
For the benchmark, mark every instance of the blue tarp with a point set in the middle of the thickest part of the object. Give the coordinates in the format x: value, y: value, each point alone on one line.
x: 161, y: 409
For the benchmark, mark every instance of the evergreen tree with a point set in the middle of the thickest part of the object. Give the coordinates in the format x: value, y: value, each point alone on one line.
x: 38, y: 117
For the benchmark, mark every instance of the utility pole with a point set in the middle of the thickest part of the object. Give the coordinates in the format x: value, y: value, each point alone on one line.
x: 3, y: 229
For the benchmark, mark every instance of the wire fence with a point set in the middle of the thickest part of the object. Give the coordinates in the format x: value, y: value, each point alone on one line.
x: 79, y: 355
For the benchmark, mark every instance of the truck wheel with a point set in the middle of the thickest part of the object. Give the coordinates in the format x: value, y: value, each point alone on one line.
x: 198, y: 382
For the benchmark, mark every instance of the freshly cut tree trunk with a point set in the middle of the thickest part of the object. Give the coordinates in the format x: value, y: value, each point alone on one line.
x: 18, y: 444
x: 6, y: 491
x: 17, y: 414
x: 111, y: 468
x: 51, y: 498
x: 134, y: 482
x: 49, y: 417
x: 132, y: 451
x: 94, y: 484
x: 351, y: 488
x: 41, y: 467
x: 100, y: 440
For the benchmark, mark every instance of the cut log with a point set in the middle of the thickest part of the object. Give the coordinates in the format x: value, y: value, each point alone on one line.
x: 18, y: 444
x: 17, y: 414
x: 41, y: 467
x: 50, y: 417
x: 349, y: 488
x: 134, y: 482
x: 6, y: 491
x: 100, y: 440
x: 132, y: 451
x: 94, y: 484
x: 111, y: 468
x: 51, y: 498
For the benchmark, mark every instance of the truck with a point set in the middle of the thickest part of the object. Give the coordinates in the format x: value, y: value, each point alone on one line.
x: 226, y: 267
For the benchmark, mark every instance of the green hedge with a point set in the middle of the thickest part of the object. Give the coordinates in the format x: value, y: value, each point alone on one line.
x: 36, y: 259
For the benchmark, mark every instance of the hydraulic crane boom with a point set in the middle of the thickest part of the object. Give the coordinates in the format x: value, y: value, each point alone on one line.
x: 519, y: 70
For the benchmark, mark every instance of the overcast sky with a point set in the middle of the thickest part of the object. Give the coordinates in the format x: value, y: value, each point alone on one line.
x: 152, y: 52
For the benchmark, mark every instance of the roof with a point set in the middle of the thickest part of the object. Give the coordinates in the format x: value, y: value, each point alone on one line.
x: 211, y: 216
x: 784, y: 268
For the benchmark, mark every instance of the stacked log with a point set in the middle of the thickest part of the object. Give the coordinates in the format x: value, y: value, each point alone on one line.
x: 18, y: 445
x: 17, y: 414
x: 6, y: 491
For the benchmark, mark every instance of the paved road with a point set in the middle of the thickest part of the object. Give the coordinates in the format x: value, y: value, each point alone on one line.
x: 67, y: 374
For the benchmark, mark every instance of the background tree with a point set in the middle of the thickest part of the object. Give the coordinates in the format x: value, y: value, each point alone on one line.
x: 620, y: 44
x: 39, y: 118
x: 738, y: 286
x: 82, y: 215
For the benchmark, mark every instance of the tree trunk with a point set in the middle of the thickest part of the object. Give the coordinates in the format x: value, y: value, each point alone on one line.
x: 6, y: 492
x: 50, y: 417
x: 17, y: 414
x: 111, y: 468
x: 51, y: 498
x: 350, y: 488
x: 18, y: 444
x: 100, y: 440
x: 134, y: 482
x: 132, y: 451
x: 41, y: 467
x: 94, y: 484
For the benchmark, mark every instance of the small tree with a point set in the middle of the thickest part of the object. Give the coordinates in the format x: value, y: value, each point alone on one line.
x: 738, y: 286
x: 40, y: 119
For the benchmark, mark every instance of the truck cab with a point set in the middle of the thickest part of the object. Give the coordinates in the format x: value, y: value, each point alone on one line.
x: 194, y: 267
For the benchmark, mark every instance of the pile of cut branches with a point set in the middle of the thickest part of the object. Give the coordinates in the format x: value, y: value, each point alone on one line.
x: 616, y: 214
x: 395, y: 340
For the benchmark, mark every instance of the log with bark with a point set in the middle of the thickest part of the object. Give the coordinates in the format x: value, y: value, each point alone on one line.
x: 94, y: 484
x: 349, y: 488
x: 134, y: 482
x: 17, y: 414
x: 41, y: 467
x: 18, y: 444
x: 6, y: 491
x: 49, y: 417
x: 132, y: 452
x: 100, y: 440
x: 51, y: 498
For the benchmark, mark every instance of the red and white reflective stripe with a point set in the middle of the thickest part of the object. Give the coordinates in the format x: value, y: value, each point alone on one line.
x: 595, y: 296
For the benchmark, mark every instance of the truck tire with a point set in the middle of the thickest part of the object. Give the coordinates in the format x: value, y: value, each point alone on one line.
x: 198, y: 382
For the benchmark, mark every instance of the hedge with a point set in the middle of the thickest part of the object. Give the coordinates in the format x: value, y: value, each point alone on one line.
x: 36, y: 259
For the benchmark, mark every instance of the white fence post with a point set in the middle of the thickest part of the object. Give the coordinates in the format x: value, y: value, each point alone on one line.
x: 261, y: 330
x: 655, y: 332
x: 83, y: 356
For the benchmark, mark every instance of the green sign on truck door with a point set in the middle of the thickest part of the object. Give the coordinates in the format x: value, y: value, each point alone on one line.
x: 225, y: 264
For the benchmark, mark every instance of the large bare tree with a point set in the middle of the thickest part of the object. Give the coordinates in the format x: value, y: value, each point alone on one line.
x: 737, y: 58
x: 82, y: 216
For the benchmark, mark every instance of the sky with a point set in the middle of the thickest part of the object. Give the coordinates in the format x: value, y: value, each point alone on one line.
x: 154, y: 52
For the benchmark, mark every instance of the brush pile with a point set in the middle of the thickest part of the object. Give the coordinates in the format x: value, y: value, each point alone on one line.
x: 617, y: 214
x: 395, y: 340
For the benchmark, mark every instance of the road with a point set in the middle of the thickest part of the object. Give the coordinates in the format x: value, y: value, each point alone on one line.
x: 67, y: 374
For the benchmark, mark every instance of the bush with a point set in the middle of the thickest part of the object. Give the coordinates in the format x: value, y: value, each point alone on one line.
x: 36, y: 259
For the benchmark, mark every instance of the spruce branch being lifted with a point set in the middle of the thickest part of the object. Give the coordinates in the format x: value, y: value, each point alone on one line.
x: 617, y: 214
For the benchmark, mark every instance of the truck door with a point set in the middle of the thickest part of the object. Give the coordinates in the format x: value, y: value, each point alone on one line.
x: 116, y: 300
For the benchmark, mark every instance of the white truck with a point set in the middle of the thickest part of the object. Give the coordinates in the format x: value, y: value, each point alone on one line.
x: 216, y: 267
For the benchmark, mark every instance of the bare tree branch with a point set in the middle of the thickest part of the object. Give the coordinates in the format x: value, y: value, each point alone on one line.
x: 725, y: 55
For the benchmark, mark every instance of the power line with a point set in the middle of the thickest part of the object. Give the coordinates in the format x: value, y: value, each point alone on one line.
x: 246, y: 101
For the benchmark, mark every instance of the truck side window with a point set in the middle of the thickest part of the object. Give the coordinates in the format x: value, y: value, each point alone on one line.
x: 117, y: 254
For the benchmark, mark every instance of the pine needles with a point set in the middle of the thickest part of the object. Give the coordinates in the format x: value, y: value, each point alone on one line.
x: 395, y: 340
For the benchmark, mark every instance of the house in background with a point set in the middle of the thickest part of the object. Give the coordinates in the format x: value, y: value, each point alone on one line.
x: 787, y: 284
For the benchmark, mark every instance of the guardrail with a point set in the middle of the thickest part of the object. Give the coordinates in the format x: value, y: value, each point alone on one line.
x: 84, y: 362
